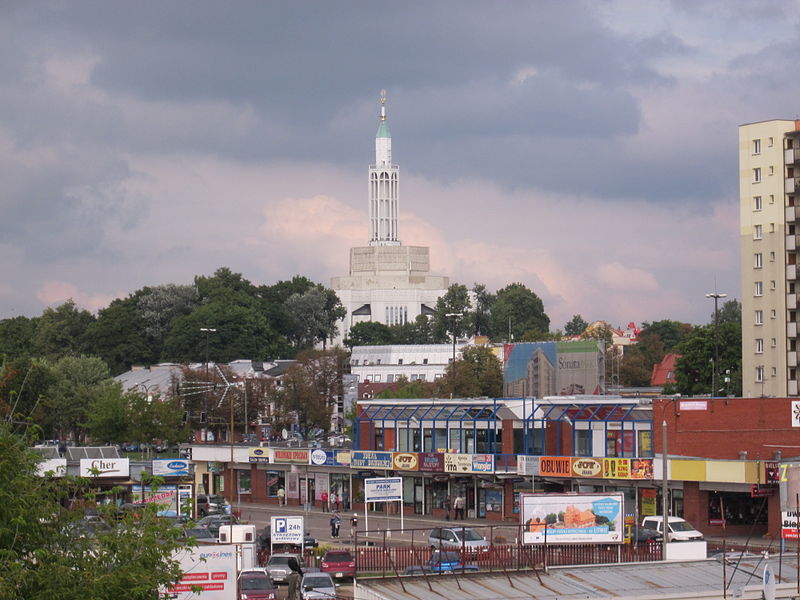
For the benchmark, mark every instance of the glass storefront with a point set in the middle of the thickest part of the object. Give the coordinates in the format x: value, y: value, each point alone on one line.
x: 275, y: 481
x: 739, y: 507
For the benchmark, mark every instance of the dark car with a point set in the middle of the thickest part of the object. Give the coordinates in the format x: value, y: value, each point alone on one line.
x: 255, y: 584
x: 641, y: 535
x: 446, y: 561
x: 265, y: 537
x: 214, y: 522
x: 339, y: 563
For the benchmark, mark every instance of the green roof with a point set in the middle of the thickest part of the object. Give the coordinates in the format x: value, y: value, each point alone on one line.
x: 383, y: 130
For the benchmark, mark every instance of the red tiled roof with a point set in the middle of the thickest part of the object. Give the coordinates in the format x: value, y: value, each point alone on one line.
x: 664, y: 372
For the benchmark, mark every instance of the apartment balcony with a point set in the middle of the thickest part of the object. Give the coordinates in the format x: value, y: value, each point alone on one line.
x: 791, y: 387
x: 791, y: 301
x: 791, y: 359
x: 791, y: 214
x: 791, y: 330
x: 791, y: 242
x: 791, y: 185
x: 791, y: 272
x: 791, y: 156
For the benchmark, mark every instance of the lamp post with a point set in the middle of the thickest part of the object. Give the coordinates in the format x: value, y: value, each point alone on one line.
x: 715, y: 365
x: 454, y: 316
x: 206, y: 330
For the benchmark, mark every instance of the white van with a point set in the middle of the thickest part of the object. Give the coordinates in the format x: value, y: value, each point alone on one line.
x: 680, y: 530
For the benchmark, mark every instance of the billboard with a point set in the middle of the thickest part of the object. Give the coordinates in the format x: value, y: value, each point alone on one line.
x: 539, y: 369
x: 171, y: 467
x: 572, y: 518
x: 210, y: 569
x: 383, y: 489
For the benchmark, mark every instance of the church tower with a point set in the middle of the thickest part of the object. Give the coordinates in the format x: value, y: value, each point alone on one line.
x: 388, y: 283
x: 384, y: 190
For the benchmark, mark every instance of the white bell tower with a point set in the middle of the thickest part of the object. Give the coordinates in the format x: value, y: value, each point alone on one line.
x: 384, y: 188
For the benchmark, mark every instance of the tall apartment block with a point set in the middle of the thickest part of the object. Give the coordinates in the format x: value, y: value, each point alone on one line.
x: 769, y: 189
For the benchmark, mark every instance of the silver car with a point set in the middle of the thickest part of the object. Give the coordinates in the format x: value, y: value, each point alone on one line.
x: 456, y: 538
x: 317, y: 585
x: 278, y: 566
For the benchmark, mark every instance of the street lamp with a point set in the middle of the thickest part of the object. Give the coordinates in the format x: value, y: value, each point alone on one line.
x: 453, y: 366
x: 715, y: 366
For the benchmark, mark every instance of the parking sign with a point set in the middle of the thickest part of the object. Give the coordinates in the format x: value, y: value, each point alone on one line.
x: 286, y: 530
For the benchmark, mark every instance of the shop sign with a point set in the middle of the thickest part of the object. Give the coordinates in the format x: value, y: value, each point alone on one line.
x: 258, y: 455
x: 586, y: 467
x: 215, y: 467
x: 370, y: 459
x: 298, y: 457
x: 771, y: 472
x: 555, y: 466
x: 789, y: 524
x: 171, y: 467
x: 641, y: 468
x: 322, y: 458
x: 431, y: 462
x: 405, y: 461
x: 795, y: 413
x: 648, y: 502
x: 483, y: 463
x: 616, y: 468
x: 761, y: 491
x: 469, y: 463
x: 56, y: 466
x: 105, y: 467
x: 383, y: 489
x: 342, y: 458
x: 693, y: 405
x: 165, y: 495
x: 527, y: 465
x: 789, y: 485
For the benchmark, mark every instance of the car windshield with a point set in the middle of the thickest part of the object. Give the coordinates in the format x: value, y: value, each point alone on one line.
x: 255, y: 582
x: 278, y: 560
x: 681, y: 526
x: 318, y: 582
x: 338, y: 557
x: 469, y: 535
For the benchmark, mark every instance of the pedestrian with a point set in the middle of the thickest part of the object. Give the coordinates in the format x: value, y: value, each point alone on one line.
x: 332, y: 502
x: 324, y: 499
x: 447, y: 508
x: 336, y: 522
x: 353, y: 525
x: 281, y: 496
x: 459, y: 506
x: 346, y: 499
x: 337, y: 502
x: 294, y: 579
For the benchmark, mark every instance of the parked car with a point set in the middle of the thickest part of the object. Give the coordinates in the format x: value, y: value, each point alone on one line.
x: 640, y: 535
x: 680, y: 530
x: 317, y: 585
x: 339, y: 563
x: 448, y: 561
x: 214, y: 522
x: 457, y: 538
x: 264, y: 538
x: 278, y: 565
x: 210, y: 504
x: 255, y: 584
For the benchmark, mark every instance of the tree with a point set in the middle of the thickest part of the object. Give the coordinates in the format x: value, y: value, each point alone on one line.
x: 730, y: 312
x: 299, y: 395
x: 403, y: 388
x: 78, y: 382
x: 119, y: 337
x: 158, y: 305
x: 42, y: 553
x: 418, y: 332
x: 60, y: 331
x: 575, y: 326
x: 518, y: 309
x: 314, y: 314
x: 454, y: 301
x: 482, y: 320
x: 694, y: 368
x: 671, y: 333
x: 24, y: 382
x: 109, y: 416
x: 478, y: 373
x: 16, y: 337
x: 368, y: 333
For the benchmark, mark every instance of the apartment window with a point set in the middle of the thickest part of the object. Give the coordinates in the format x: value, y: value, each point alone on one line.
x: 759, y: 374
x: 770, y: 142
x: 377, y: 362
x: 759, y: 288
x: 756, y: 202
x: 771, y: 257
x: 759, y: 317
x: 772, y: 284
x: 376, y: 378
x: 414, y: 376
x: 772, y: 314
x: 774, y: 371
x: 424, y: 361
x: 399, y: 361
x: 772, y: 198
x: 758, y: 260
x: 759, y: 346
x: 389, y: 378
x: 772, y: 227
x: 422, y: 376
x: 757, y: 175
x: 757, y: 232
x: 355, y: 362
x: 756, y: 146
x: 773, y: 342
x: 771, y: 170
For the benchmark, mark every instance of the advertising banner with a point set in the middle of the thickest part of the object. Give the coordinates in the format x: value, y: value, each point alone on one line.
x: 105, y: 467
x: 572, y: 518
x: 648, y: 502
x: 527, y: 465
x: 543, y: 369
x: 587, y: 467
x: 789, y: 524
x: 383, y: 489
x: 166, y: 496
x: 286, y: 530
x: 431, y: 462
x: 56, y: 466
x: 343, y: 458
x: 171, y: 467
x: 284, y: 455
x: 597, y: 468
x: 212, y: 569
x: 405, y: 461
x: 555, y: 466
x: 259, y: 455
x: 370, y: 459
x: 469, y: 463
x: 790, y: 486
x: 293, y: 486
x: 322, y: 458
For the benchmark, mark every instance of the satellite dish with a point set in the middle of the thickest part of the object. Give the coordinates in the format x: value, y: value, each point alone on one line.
x: 768, y: 583
x: 285, y: 434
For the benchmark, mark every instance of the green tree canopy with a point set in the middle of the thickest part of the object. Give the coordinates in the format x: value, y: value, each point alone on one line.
x: 694, y: 368
x: 369, y: 333
x: 518, y: 308
x: 482, y: 318
x: 730, y: 312
x: 576, y: 326
x: 118, y: 336
x: 315, y: 314
x: 403, y: 388
x: 478, y: 373
x: 16, y: 337
x: 454, y: 301
x: 61, y: 331
x: 671, y: 333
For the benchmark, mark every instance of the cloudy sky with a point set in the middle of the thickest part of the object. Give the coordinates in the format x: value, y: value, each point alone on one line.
x: 586, y: 149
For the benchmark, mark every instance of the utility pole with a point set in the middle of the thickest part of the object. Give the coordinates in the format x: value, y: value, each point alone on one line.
x: 453, y: 364
x: 715, y: 365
